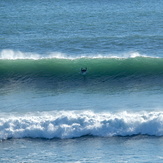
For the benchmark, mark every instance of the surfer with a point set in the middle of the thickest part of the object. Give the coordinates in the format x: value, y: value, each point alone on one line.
x: 83, y: 71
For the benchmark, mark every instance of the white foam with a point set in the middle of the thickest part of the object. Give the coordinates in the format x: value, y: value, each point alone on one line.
x: 9, y: 54
x: 70, y: 124
x: 13, y: 55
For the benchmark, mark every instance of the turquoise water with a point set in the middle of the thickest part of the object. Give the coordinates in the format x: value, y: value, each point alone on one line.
x: 51, y: 111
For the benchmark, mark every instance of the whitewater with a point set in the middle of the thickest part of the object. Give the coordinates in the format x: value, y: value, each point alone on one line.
x: 73, y: 124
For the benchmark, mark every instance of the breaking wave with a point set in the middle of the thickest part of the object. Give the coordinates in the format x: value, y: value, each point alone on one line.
x: 8, y: 54
x: 73, y: 124
x: 25, y: 65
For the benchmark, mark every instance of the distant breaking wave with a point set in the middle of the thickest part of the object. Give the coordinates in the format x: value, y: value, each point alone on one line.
x: 73, y: 124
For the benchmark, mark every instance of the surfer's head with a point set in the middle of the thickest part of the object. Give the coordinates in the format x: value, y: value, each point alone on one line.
x: 83, y: 70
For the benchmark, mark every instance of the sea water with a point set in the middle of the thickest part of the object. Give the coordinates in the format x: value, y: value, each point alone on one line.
x: 50, y: 111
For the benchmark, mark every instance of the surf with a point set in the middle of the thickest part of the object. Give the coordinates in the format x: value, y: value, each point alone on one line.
x: 73, y: 124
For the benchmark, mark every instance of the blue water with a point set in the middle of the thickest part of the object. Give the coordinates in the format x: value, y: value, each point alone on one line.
x: 50, y: 111
x: 83, y: 27
x: 86, y: 149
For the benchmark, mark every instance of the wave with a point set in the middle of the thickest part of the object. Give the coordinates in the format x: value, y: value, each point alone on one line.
x: 58, y: 67
x: 73, y: 124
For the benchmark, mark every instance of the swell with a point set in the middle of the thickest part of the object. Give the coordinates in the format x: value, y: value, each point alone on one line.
x: 65, y: 69
x: 72, y: 124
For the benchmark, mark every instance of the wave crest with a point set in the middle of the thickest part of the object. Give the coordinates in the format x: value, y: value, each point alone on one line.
x: 9, y: 54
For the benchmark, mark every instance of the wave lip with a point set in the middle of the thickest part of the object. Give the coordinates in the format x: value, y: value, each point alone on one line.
x: 9, y: 54
x: 73, y: 124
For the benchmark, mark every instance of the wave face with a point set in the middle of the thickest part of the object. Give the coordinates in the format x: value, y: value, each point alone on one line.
x: 60, y: 68
x: 72, y: 124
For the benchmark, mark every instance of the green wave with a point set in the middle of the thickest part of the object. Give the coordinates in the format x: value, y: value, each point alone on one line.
x: 70, y: 69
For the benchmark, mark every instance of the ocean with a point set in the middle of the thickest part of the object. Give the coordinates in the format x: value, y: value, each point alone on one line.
x: 81, y: 81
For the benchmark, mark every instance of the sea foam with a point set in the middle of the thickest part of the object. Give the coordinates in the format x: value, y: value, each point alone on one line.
x: 9, y: 54
x: 72, y: 124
